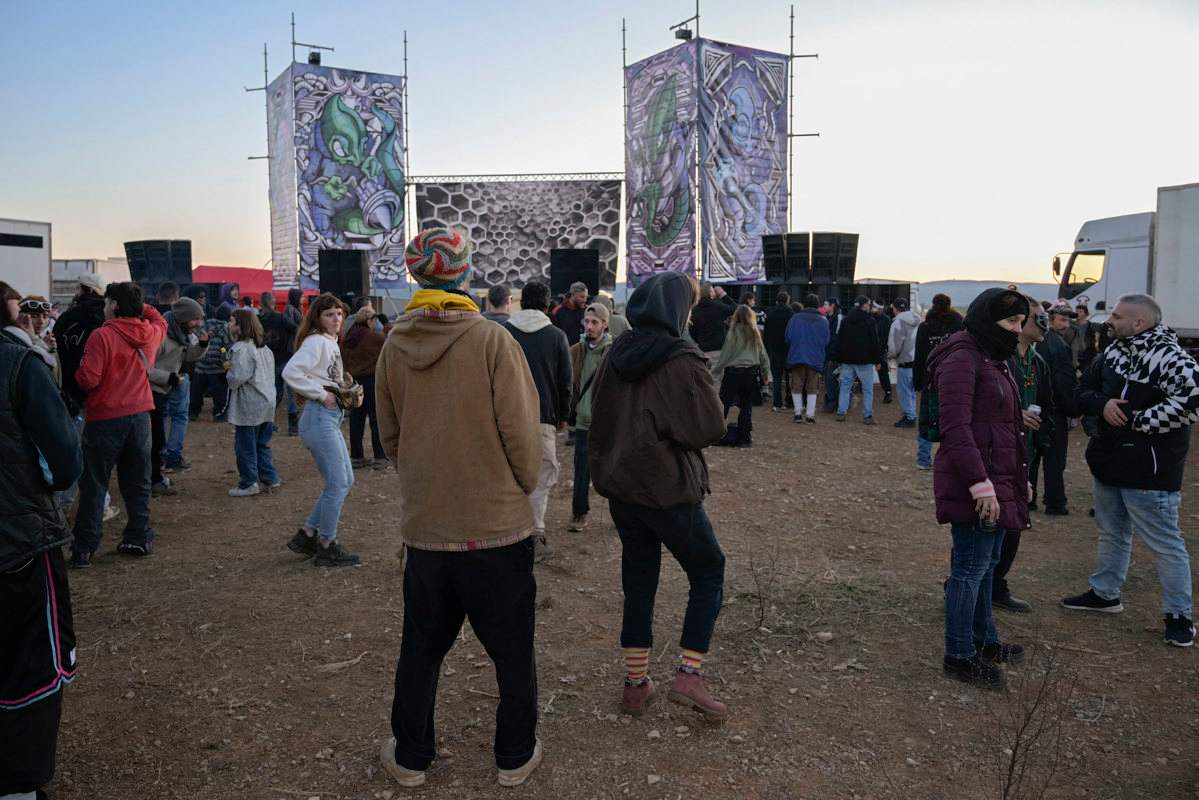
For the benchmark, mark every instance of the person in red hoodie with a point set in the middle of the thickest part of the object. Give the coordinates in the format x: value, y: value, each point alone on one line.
x: 114, y: 374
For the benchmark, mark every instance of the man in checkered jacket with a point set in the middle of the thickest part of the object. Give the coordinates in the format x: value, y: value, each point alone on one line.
x: 1145, y: 390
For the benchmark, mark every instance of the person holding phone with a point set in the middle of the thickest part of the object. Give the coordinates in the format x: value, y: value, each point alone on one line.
x: 980, y: 477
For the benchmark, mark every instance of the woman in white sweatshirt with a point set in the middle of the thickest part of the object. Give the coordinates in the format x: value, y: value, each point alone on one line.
x: 311, y: 373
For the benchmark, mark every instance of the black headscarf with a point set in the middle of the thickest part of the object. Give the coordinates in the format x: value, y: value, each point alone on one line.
x: 983, y: 317
x: 657, y: 311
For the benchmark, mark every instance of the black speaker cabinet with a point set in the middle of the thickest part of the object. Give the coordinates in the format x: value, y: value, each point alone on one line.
x: 774, y: 258
x: 797, y: 257
x: 847, y: 257
x: 155, y: 261
x: 834, y: 257
x: 570, y: 265
x: 343, y: 272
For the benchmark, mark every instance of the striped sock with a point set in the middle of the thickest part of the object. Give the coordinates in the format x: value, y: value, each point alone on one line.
x: 691, y: 660
x: 636, y: 663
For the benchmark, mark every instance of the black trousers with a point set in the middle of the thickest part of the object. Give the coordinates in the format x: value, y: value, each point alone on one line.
x: 580, y: 503
x: 778, y: 374
x: 1007, y: 557
x: 358, y: 419
x: 496, y: 591
x: 158, y: 436
x: 738, y: 388
x: 205, y: 384
x: 1054, y: 464
x: 884, y: 377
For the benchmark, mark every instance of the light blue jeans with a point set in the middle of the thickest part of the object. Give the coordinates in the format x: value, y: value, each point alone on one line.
x: 864, y: 373
x: 175, y: 415
x: 320, y: 431
x: 907, y: 391
x: 924, y: 452
x: 1155, y: 514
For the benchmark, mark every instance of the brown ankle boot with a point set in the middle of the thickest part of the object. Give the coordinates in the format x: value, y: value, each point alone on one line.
x: 637, y: 697
x: 688, y: 689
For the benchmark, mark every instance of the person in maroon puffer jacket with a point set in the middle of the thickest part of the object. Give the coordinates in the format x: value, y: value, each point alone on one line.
x: 980, y: 476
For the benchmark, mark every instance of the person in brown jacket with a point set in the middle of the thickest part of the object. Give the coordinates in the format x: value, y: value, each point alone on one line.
x: 455, y: 396
x: 360, y: 348
x: 654, y: 408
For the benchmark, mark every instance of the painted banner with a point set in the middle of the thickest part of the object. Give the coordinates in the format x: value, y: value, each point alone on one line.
x: 659, y: 159
x: 515, y: 224
x: 348, y: 182
x: 743, y: 157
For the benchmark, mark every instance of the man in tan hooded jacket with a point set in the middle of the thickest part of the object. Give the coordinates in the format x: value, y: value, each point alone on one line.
x: 458, y: 416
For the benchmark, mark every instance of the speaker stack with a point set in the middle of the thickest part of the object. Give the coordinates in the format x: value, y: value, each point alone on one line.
x: 568, y: 265
x: 342, y: 272
x: 156, y: 261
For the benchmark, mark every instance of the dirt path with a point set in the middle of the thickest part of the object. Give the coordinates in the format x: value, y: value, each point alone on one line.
x: 225, y: 667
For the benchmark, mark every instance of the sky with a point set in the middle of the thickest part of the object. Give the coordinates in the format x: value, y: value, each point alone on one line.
x: 964, y: 140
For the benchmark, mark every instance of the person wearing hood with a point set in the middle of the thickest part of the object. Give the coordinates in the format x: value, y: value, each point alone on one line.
x: 114, y: 375
x: 939, y: 324
x: 901, y: 346
x: 807, y: 338
x: 859, y: 351
x: 1145, y: 390
x: 980, y: 478
x: 169, y: 383
x: 548, y: 355
x: 456, y: 398
x: 208, y: 375
x: 230, y: 297
x: 654, y: 409
x: 360, y: 350
x: 585, y: 357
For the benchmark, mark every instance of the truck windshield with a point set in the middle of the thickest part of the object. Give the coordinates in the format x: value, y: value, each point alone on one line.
x: 1084, y: 270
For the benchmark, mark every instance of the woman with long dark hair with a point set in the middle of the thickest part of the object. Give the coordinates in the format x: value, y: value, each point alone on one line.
x: 315, y: 373
x: 981, y: 476
x: 743, y: 362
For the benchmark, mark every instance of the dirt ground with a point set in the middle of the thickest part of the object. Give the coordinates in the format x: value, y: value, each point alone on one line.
x: 227, y: 667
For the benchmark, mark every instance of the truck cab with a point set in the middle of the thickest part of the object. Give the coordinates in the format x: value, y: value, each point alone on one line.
x: 1111, y: 257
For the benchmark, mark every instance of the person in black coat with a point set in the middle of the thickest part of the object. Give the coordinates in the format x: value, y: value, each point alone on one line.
x: 939, y: 324
x: 859, y: 350
x: 882, y: 321
x: 710, y: 319
x: 71, y: 333
x: 777, y: 317
x: 1057, y: 354
x: 832, y: 312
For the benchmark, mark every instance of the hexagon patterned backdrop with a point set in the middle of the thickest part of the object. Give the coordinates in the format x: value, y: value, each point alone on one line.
x: 515, y: 224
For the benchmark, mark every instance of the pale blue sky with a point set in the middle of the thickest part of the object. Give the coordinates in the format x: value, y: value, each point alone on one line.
x: 961, y: 139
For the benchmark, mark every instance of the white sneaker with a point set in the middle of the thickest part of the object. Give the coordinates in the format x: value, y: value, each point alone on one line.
x: 515, y: 777
x: 249, y: 491
x: 408, y: 778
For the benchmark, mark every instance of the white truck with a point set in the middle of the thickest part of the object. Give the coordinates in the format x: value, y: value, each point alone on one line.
x: 1154, y: 253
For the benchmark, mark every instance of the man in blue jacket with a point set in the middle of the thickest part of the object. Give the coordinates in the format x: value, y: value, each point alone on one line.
x: 1145, y: 390
x: 807, y: 343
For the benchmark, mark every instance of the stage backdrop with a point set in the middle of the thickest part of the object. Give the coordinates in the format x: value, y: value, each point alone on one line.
x: 743, y: 157
x: 659, y: 157
x: 337, y: 179
x: 515, y: 224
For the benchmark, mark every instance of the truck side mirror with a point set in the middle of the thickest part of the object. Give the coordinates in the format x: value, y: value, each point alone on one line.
x: 1057, y: 266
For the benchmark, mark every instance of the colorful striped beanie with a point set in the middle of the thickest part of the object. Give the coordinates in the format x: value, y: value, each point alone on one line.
x: 439, y: 258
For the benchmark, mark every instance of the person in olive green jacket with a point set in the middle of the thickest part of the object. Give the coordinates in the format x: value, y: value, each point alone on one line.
x: 585, y: 358
x: 745, y: 367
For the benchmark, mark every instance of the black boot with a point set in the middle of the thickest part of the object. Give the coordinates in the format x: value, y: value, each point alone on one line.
x: 293, y: 424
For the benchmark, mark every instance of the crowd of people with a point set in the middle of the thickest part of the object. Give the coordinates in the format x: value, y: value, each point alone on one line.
x: 468, y: 407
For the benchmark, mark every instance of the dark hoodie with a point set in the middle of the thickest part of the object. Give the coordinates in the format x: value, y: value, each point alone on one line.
x: 71, y: 333
x: 936, y: 328
x: 654, y: 405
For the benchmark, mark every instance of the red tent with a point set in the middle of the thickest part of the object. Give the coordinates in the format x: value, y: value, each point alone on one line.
x: 250, y: 280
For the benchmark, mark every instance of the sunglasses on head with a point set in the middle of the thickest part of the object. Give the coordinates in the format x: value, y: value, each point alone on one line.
x: 34, y: 306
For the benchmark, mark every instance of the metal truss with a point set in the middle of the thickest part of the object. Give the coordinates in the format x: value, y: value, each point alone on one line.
x: 531, y: 176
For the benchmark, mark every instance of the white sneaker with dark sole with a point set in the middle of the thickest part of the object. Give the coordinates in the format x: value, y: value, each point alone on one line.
x: 408, y: 778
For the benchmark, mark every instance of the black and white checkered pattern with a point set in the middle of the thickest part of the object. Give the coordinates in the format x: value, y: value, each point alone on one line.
x: 1155, y: 358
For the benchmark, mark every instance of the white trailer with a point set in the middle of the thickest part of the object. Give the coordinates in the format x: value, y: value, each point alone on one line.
x: 1154, y: 253
x: 25, y: 256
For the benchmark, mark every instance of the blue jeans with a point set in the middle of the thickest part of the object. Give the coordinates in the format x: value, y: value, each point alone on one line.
x: 687, y: 533
x: 924, y: 452
x: 1155, y: 515
x: 123, y: 443
x: 252, y: 446
x: 865, y: 374
x: 968, y: 590
x: 320, y: 431
x: 175, y: 412
x: 907, y: 392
